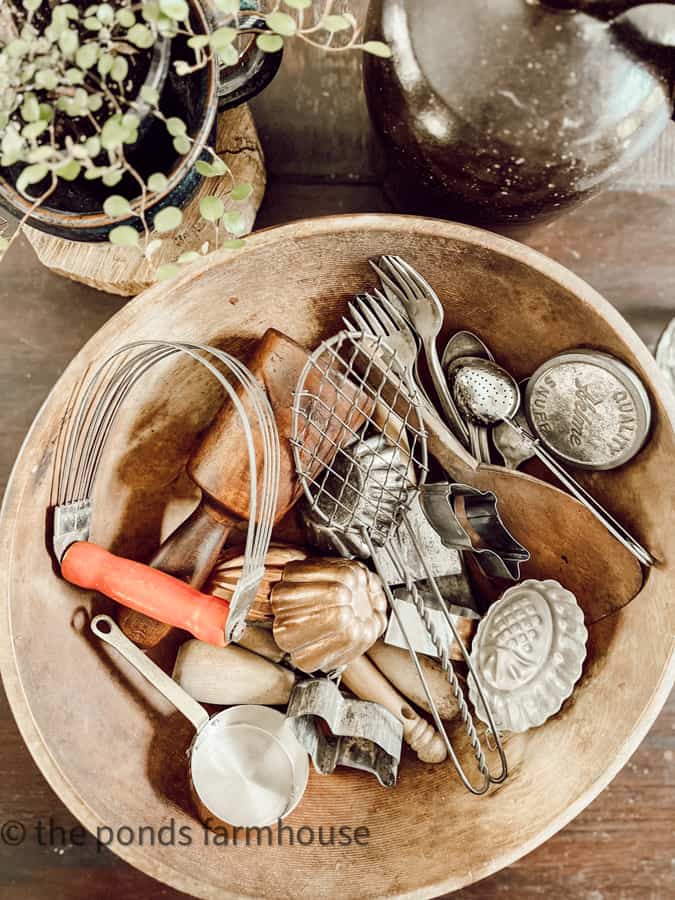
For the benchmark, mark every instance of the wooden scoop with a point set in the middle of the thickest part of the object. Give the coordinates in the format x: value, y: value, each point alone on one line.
x: 220, y: 467
x: 565, y: 540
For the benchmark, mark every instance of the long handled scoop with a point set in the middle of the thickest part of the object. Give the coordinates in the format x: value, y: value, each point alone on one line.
x: 487, y: 394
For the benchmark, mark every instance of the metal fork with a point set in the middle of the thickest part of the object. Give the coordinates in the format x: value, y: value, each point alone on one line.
x: 377, y: 316
x: 425, y: 312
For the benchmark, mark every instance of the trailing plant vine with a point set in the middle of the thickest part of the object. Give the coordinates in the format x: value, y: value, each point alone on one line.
x: 74, y: 96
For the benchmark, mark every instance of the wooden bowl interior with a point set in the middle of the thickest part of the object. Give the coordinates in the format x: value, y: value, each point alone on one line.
x: 115, y: 751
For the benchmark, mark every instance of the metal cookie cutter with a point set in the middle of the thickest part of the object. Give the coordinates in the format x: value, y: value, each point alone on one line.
x: 468, y: 519
x: 362, y: 735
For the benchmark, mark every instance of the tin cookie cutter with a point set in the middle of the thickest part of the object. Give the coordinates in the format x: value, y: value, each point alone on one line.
x: 362, y: 735
x: 468, y: 519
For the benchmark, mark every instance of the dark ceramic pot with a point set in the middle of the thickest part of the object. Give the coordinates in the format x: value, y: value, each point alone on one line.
x: 504, y: 113
x: 76, y: 213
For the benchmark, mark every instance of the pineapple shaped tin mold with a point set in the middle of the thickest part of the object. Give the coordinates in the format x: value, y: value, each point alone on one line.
x: 528, y: 654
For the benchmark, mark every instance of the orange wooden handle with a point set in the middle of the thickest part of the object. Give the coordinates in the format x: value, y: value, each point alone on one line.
x: 147, y: 591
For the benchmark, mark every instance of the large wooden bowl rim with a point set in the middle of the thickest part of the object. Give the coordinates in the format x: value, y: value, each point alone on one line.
x: 58, y: 779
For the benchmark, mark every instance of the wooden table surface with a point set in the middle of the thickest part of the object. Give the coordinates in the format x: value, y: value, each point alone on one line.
x: 322, y: 159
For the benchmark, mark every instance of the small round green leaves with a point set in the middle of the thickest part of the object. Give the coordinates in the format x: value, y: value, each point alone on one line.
x: 175, y: 126
x: 116, y: 206
x: 87, y: 55
x: 223, y: 37
x: 31, y: 175
x: 241, y: 192
x: 120, y: 69
x: 149, y: 95
x: 182, y: 144
x: 269, y: 43
x: 69, y: 41
x: 125, y: 18
x: 124, y: 236
x: 141, y: 36
x: 335, y: 23
x: 234, y: 222
x: 211, y: 208
x: 281, y: 23
x: 167, y: 219
x: 69, y: 171
x: 377, y: 48
x: 213, y: 169
x: 178, y: 10
x: 158, y: 182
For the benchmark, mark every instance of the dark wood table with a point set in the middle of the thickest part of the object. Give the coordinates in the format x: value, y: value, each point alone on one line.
x: 322, y: 160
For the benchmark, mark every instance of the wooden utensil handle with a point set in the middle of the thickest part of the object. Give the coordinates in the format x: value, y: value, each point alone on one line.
x: 364, y: 680
x: 146, y: 590
x: 188, y: 554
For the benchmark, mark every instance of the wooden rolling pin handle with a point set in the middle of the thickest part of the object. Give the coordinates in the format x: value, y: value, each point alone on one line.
x: 147, y: 591
x: 188, y: 554
x: 364, y: 680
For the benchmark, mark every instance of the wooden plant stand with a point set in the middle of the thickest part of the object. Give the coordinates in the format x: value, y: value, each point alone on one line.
x: 123, y: 270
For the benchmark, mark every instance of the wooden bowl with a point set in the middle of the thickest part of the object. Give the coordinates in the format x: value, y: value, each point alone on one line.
x: 115, y: 752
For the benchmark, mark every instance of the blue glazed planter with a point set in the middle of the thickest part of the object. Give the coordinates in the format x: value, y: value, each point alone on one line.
x: 199, y: 98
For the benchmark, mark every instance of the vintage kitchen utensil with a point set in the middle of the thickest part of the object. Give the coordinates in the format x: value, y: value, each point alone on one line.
x: 220, y: 468
x: 529, y: 651
x: 327, y: 612
x: 468, y: 519
x: 225, y: 575
x: 326, y: 539
x: 365, y: 681
x: 372, y: 365
x: 372, y: 466
x: 204, y: 670
x: 514, y: 447
x: 83, y: 437
x: 556, y: 527
x: 395, y: 664
x: 588, y: 409
x: 339, y: 731
x: 379, y: 316
x: 413, y: 624
x: 425, y: 312
x: 231, y: 675
x: 488, y: 394
x: 384, y: 316
x: 466, y: 343
x: 246, y: 767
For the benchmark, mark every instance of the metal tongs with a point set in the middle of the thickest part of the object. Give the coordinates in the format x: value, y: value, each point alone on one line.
x: 368, y: 487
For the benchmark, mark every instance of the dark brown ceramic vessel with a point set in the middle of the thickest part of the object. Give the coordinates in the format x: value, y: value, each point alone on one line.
x: 507, y: 112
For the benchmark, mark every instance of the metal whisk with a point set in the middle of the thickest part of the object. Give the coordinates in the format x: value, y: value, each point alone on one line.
x: 88, y: 422
x: 369, y: 485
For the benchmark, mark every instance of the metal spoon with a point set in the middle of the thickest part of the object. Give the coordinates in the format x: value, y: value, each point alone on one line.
x: 466, y: 343
x: 512, y: 447
x: 486, y: 394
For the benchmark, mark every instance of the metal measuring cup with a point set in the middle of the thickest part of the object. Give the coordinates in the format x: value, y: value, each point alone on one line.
x: 247, y: 768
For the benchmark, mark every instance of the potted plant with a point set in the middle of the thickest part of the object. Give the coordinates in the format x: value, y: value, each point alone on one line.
x: 107, y: 110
